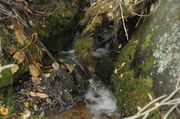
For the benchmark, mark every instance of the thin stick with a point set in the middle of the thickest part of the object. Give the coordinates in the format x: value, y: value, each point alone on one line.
x: 122, y: 16
x: 170, y: 111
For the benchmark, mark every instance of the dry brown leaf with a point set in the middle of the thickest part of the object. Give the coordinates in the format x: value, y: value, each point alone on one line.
x: 41, y: 95
x: 35, y: 70
x: 19, y: 34
x: 14, y: 68
x: 127, y: 2
x: 139, y: 108
x: 4, y: 111
x: 21, y: 38
x: 55, y: 66
x: 70, y: 67
x: 11, y: 27
x: 26, y: 104
x: 26, y: 114
x: 11, y: 50
x: 19, y: 56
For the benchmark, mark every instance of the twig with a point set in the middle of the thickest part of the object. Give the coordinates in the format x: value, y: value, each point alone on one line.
x: 6, y: 67
x: 167, y: 101
x: 147, y: 15
x: 122, y: 16
x: 153, y: 101
x: 170, y: 111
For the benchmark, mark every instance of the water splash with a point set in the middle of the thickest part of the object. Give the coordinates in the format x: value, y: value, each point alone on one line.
x: 100, y: 100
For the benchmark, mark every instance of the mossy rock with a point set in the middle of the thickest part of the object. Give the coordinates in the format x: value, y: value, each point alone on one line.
x: 131, y: 90
x: 83, y: 47
x: 151, y: 59
x: 57, y: 28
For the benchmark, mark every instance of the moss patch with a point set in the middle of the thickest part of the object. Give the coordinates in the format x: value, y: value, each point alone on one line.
x: 6, y: 78
x: 83, y: 47
x: 147, y: 65
x: 8, y: 102
x: 146, y: 42
x: 130, y: 91
x: 57, y: 28
x: 95, y: 22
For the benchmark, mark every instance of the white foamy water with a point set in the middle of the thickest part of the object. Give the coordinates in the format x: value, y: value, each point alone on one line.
x: 101, y: 100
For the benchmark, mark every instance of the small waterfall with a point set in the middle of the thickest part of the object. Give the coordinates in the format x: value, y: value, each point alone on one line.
x: 99, y: 99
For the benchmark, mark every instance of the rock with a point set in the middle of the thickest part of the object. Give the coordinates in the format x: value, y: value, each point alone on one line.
x: 80, y: 112
x: 100, y: 53
x: 151, y: 55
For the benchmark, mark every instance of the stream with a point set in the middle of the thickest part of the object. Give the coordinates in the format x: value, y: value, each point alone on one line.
x: 89, y: 59
x: 98, y: 100
x: 74, y: 93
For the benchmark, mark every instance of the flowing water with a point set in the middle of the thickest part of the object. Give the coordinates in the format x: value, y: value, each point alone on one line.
x: 99, y: 101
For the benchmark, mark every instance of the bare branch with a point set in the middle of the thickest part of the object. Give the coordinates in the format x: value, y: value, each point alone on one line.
x: 166, y: 101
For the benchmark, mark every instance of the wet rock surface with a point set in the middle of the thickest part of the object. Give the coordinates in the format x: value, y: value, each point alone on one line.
x: 59, y: 90
x: 79, y: 112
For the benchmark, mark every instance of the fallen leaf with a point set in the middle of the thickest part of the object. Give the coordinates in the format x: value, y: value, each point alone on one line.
x: 14, y: 68
x: 121, y: 75
x: 150, y: 96
x: 19, y: 34
x: 139, y: 108
x: 11, y: 27
x: 48, y: 100
x: 70, y: 67
x: 21, y: 38
x: 41, y: 95
x: 19, y: 56
x: 127, y: 2
x: 115, y: 71
x: 55, y: 66
x: 122, y: 65
x: 26, y: 104
x: 26, y: 114
x: 11, y: 50
x: 48, y: 75
x: 36, y: 80
x: 34, y: 70
x: 4, y: 111
x: 6, y: 67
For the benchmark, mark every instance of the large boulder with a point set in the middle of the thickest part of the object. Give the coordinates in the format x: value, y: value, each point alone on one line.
x: 152, y: 54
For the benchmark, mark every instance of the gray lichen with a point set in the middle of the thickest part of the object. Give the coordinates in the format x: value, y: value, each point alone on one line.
x: 166, y: 51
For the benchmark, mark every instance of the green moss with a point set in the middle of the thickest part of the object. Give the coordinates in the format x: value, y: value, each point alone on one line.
x: 7, y: 42
x: 130, y: 91
x: 128, y: 52
x: 126, y: 11
x: 155, y: 115
x: 95, y: 22
x: 92, y: 15
x: 100, y: 8
x: 177, y: 17
x: 57, y: 28
x: 147, y: 65
x: 63, y: 17
x: 5, y: 79
x: 83, y: 47
x: 146, y: 42
x: 158, y: 114
x: 8, y: 102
